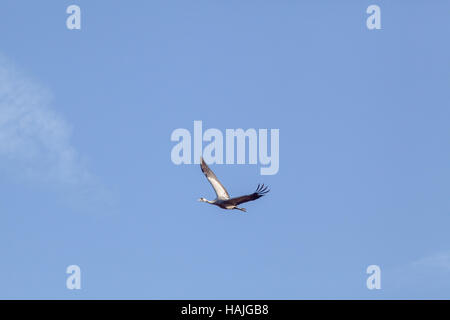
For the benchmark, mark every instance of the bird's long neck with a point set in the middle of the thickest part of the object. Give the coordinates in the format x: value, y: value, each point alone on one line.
x: 209, y: 201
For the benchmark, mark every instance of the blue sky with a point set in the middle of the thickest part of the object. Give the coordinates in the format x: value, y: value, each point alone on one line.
x: 87, y: 179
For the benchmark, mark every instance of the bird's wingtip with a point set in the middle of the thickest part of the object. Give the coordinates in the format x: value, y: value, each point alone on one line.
x: 262, y: 189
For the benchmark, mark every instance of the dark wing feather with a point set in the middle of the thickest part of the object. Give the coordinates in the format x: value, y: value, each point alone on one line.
x: 261, y: 190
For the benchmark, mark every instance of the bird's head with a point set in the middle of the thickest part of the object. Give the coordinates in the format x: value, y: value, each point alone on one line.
x: 202, y: 200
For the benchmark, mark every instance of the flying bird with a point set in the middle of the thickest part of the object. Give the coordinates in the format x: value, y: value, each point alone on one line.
x: 223, y: 199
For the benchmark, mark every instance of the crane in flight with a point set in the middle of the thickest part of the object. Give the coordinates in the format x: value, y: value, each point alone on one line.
x: 223, y: 199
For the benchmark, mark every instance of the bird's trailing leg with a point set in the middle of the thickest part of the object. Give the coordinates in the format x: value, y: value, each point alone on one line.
x: 242, y: 209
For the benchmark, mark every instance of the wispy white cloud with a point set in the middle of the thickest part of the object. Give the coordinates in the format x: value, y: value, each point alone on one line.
x: 439, y: 260
x: 34, y: 138
x: 421, y: 278
x: 35, y: 142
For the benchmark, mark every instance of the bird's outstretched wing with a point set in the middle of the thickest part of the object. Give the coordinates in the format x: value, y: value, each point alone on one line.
x: 220, y: 190
x: 261, y: 190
